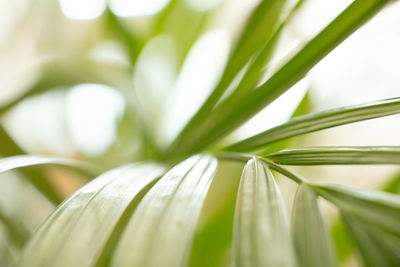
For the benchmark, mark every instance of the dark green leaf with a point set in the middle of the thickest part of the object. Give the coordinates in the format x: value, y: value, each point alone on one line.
x: 230, y: 114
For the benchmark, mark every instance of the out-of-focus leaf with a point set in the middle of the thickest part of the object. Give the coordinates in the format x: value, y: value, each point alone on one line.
x: 261, y: 234
x: 337, y: 155
x: 216, y: 219
x: 18, y: 233
x: 377, y: 247
x: 376, y: 208
x: 21, y: 161
x: 68, y: 72
x: 228, y: 115
x: 35, y: 176
x: 319, y: 121
x: 184, y: 24
x: 161, y: 230
x: 393, y: 185
x: 342, y: 241
x: 257, y: 33
x: 78, y: 231
x: 313, y: 240
x: 132, y: 43
x: 258, y: 65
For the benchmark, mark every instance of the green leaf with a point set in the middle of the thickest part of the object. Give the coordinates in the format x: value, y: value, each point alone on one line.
x: 78, y: 230
x: 393, y: 185
x: 132, y: 43
x: 377, y: 247
x: 344, y: 246
x: 216, y: 219
x: 36, y: 177
x: 378, y: 208
x: 231, y: 113
x: 337, y: 155
x: 313, y: 240
x: 165, y: 221
x: 21, y: 161
x: 260, y: 33
x: 258, y: 66
x: 16, y: 230
x: 319, y: 121
x: 261, y: 234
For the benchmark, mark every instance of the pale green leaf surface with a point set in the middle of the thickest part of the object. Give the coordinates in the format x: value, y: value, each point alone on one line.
x: 337, y: 155
x: 376, y: 247
x: 261, y: 234
x: 77, y: 232
x: 14, y: 162
x: 376, y: 208
x: 228, y: 115
x: 319, y: 121
x: 161, y: 230
x: 313, y: 241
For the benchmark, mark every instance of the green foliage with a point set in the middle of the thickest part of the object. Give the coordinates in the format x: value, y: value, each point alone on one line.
x: 174, y: 207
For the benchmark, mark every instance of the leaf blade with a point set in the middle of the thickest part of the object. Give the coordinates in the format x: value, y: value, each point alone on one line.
x: 166, y: 215
x: 231, y: 113
x: 319, y: 121
x: 380, y: 208
x: 376, y: 247
x: 261, y: 232
x: 313, y: 241
x: 77, y: 232
x: 338, y: 155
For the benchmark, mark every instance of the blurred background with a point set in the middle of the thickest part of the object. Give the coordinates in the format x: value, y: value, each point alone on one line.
x: 112, y: 81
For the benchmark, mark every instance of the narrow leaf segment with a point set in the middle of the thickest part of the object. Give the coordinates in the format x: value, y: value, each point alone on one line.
x: 161, y: 230
x: 337, y: 155
x: 313, y: 241
x: 376, y: 247
x: 78, y: 230
x: 319, y: 121
x: 231, y: 113
x: 261, y: 234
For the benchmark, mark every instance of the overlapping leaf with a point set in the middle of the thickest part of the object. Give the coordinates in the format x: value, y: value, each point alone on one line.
x: 231, y: 113
x: 376, y: 208
x: 337, y: 155
x: 261, y: 232
x: 376, y: 247
x: 313, y: 241
x: 77, y: 232
x: 10, y: 163
x: 162, y: 228
x: 319, y: 121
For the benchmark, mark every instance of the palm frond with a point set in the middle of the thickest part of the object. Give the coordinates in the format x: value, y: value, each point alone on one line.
x: 319, y: 121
